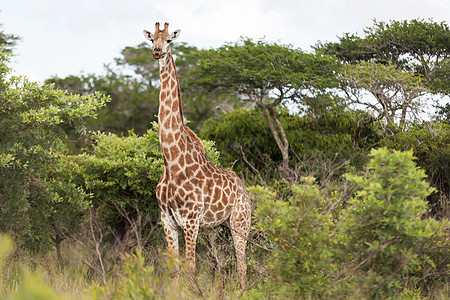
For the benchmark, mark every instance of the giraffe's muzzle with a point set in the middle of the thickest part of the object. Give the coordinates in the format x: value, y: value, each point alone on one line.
x: 157, y: 53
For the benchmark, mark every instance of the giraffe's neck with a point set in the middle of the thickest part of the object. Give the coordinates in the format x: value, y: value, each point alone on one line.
x: 170, y: 116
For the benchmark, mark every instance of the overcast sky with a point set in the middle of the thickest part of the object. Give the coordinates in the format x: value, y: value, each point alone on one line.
x: 71, y: 37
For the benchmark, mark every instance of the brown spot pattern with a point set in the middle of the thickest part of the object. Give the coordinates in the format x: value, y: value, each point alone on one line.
x: 193, y: 192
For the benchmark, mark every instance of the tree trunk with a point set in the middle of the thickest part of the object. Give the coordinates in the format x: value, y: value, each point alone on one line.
x: 57, y: 241
x: 280, y: 137
x: 403, y: 117
x: 359, y: 128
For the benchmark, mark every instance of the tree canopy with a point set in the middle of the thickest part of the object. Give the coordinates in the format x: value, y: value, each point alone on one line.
x: 267, y: 75
x: 416, y: 45
x: 398, y: 63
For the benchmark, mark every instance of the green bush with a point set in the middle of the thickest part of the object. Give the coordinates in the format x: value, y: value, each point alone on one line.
x: 376, y: 245
x: 120, y: 175
x: 322, y: 144
x: 298, y: 229
x: 138, y: 281
x: 430, y: 143
x: 384, y: 233
x: 433, y: 272
x: 118, y: 169
x: 38, y: 207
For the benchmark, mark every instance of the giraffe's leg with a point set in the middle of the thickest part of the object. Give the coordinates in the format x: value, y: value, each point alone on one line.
x: 170, y: 229
x: 240, y: 227
x: 190, y: 238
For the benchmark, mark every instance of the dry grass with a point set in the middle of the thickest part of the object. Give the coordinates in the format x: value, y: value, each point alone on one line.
x: 40, y: 277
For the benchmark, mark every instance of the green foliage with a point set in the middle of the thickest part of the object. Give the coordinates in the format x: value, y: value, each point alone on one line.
x: 443, y: 113
x: 133, y: 104
x: 440, y: 78
x: 433, y: 271
x: 267, y: 75
x: 416, y: 45
x: 7, y: 41
x: 242, y: 128
x: 397, y: 92
x: 138, y: 281
x: 245, y: 141
x: 371, y: 75
x: 398, y: 63
x: 120, y: 174
x: 377, y: 245
x: 141, y: 61
x: 31, y: 285
x: 256, y: 68
x: 384, y: 232
x: 429, y: 141
x: 131, y: 84
x: 37, y: 205
x: 299, y: 230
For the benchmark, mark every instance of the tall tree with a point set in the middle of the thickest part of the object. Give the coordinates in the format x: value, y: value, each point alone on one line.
x: 396, y: 62
x: 417, y: 45
x: 268, y: 75
x: 37, y: 207
x: 396, y: 92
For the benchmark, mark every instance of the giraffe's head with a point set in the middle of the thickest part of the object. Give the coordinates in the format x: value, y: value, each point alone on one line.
x: 161, y: 40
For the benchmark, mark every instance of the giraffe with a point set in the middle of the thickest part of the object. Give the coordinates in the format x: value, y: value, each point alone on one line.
x: 192, y: 191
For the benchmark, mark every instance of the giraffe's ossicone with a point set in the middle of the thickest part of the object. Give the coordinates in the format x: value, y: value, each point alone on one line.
x: 192, y: 191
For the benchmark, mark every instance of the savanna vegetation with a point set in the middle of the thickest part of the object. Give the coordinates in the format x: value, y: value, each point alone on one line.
x: 344, y: 150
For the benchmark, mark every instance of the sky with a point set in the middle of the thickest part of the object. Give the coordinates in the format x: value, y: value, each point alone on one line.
x: 74, y: 37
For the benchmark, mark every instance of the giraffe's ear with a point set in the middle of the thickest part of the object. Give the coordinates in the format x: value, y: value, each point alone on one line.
x: 175, y: 35
x: 148, y: 35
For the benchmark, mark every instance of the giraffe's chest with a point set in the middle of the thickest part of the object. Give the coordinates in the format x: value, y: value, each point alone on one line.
x: 179, y: 199
x: 177, y: 215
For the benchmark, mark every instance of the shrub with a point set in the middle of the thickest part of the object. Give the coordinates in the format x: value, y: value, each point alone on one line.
x: 429, y: 141
x: 384, y: 233
x: 377, y: 245
x: 38, y: 207
x: 120, y: 175
x: 298, y: 230
x: 138, y: 281
x: 322, y: 144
